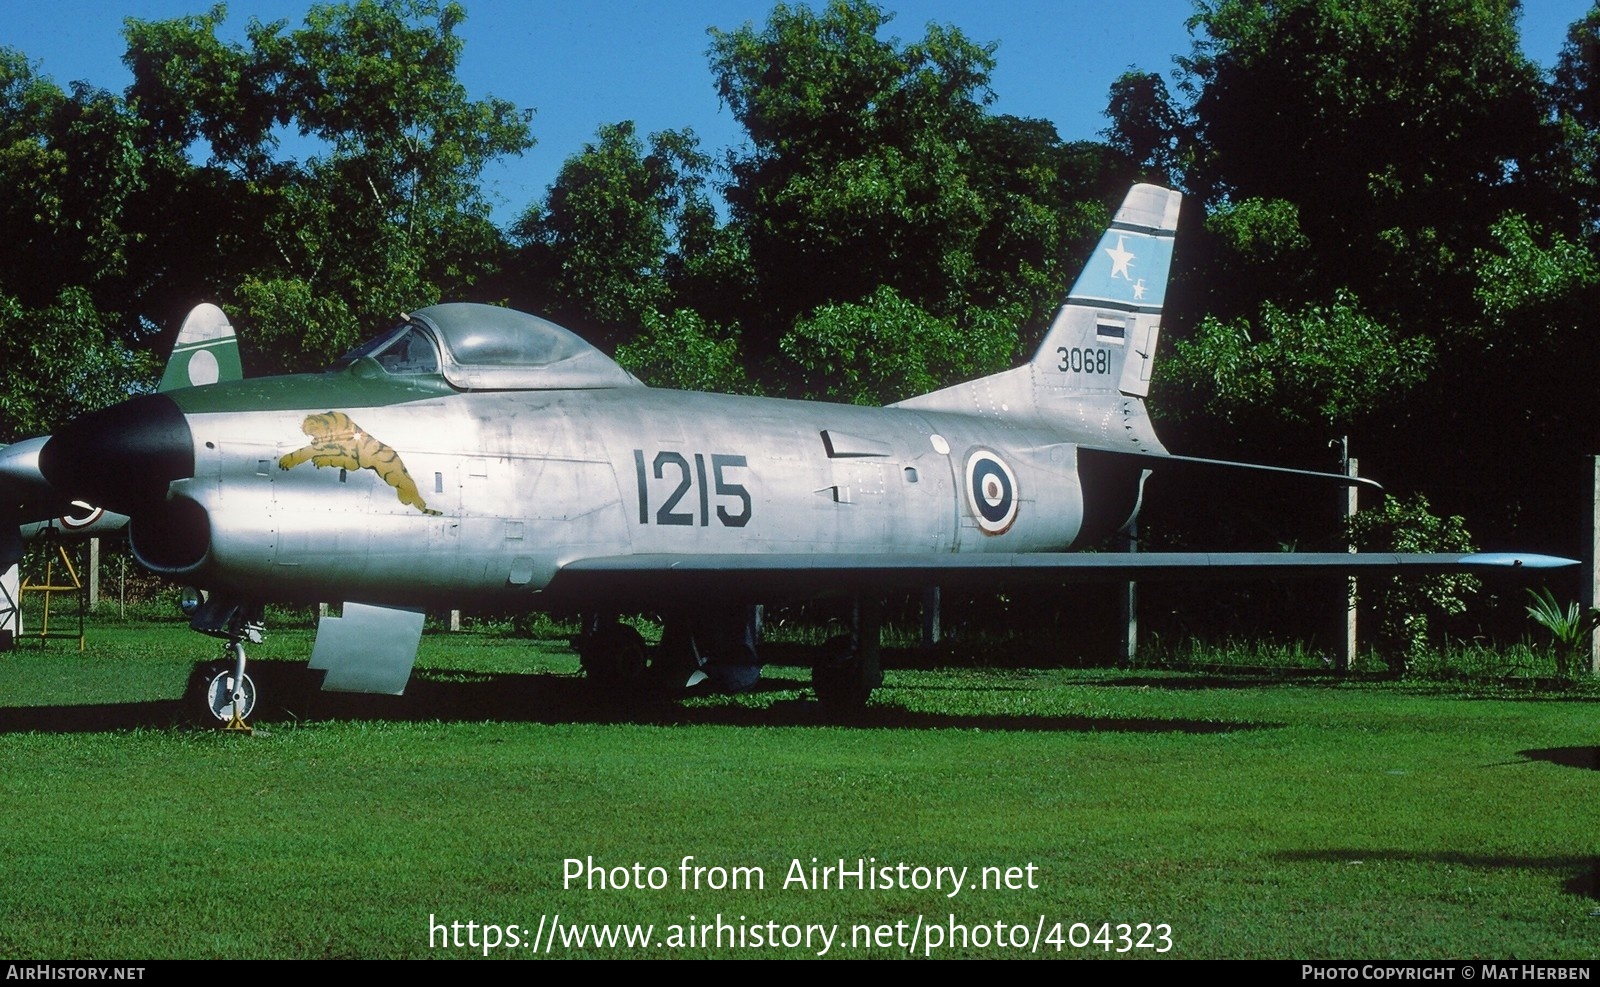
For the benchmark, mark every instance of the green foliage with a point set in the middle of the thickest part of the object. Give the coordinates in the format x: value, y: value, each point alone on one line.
x: 1330, y: 98
x: 622, y: 223
x: 1572, y: 628
x: 1260, y: 230
x: 1409, y: 609
x: 61, y: 360
x: 188, y: 85
x: 1400, y: 131
x: 875, y: 163
x: 295, y: 328
x: 1575, y: 90
x: 70, y: 166
x: 1523, y: 276
x: 887, y: 349
x: 680, y: 351
x: 1327, y: 364
x: 1147, y: 126
x: 383, y: 215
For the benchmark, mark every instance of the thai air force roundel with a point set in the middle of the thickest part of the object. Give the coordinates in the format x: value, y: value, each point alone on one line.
x: 991, y: 491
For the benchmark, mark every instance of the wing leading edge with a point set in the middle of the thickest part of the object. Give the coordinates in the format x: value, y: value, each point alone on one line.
x: 753, y: 578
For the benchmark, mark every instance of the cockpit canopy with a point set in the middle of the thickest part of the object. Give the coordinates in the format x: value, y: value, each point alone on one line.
x: 487, y: 348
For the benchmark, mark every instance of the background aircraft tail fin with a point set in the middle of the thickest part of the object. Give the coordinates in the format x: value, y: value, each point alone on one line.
x: 1103, y: 340
x: 206, y: 351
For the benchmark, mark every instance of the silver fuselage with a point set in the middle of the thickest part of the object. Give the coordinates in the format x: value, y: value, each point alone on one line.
x: 526, y: 482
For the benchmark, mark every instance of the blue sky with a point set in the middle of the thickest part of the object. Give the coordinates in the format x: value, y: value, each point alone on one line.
x: 582, y: 64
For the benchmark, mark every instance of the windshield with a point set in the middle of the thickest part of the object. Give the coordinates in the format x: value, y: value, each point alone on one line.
x: 407, y: 350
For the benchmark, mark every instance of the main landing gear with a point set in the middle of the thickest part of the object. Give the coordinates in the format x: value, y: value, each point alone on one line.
x: 614, y: 655
x: 709, y: 649
x: 850, y: 665
x: 717, y: 650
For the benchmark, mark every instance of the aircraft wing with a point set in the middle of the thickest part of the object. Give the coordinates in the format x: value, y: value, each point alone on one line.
x: 645, y: 579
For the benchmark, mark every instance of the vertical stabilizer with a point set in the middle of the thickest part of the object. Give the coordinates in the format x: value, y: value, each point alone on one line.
x: 1093, y: 369
x: 1104, y: 338
x: 206, y: 351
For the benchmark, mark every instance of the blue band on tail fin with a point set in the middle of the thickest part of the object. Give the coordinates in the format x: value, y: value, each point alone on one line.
x: 1128, y: 271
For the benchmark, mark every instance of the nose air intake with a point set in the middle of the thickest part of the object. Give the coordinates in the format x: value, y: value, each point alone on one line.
x: 123, y: 457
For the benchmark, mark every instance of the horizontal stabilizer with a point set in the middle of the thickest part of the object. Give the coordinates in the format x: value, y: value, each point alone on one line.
x: 1161, y: 460
x: 757, y: 578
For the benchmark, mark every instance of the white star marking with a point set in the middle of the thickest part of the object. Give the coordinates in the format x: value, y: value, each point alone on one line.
x: 1138, y: 289
x: 1120, y: 258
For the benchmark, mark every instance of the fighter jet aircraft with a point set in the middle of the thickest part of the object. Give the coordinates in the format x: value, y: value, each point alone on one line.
x: 478, y: 456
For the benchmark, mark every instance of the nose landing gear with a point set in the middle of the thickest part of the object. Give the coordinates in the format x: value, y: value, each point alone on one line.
x: 229, y: 693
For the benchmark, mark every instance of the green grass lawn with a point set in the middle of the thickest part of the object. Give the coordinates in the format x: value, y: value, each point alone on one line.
x: 1255, y: 816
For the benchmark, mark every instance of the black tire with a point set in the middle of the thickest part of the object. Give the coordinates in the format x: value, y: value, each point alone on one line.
x: 616, y: 658
x: 841, y: 679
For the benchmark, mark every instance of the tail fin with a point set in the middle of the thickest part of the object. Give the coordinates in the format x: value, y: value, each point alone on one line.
x: 1104, y: 338
x: 1095, y: 362
x: 206, y: 351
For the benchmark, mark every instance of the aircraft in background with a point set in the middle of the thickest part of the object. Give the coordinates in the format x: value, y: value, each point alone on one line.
x: 478, y: 456
x: 205, y: 352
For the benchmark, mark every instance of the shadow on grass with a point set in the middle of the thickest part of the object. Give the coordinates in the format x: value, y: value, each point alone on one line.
x: 1187, y: 681
x: 289, y: 692
x: 1570, y: 757
x: 92, y: 717
x: 1585, y: 883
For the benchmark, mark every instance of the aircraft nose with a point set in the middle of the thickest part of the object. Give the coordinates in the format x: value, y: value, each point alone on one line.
x: 22, y: 484
x: 121, y: 457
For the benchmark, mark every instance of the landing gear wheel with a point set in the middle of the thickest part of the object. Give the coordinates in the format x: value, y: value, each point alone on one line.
x: 615, y: 658
x: 221, y: 696
x: 842, y: 678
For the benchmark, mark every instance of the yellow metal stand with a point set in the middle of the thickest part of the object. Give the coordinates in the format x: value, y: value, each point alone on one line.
x: 49, y: 589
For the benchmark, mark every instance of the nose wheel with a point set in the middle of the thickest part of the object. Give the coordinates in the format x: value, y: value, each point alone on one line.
x: 229, y: 693
x: 231, y: 697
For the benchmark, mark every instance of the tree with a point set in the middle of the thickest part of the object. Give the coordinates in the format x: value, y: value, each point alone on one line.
x: 857, y: 174
x: 1410, y: 610
x: 384, y: 215
x: 886, y: 349
x: 70, y: 167
x: 1148, y: 127
x: 1354, y: 159
x: 190, y: 86
x: 61, y: 360
x: 1323, y: 365
x: 682, y: 352
x: 1396, y: 128
x: 878, y: 194
x: 623, y: 225
x: 1575, y: 92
